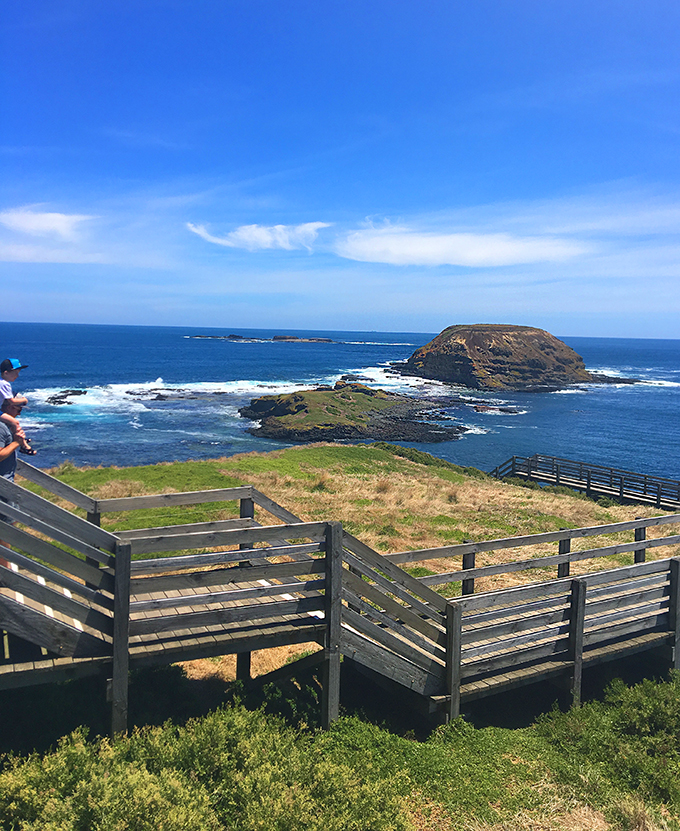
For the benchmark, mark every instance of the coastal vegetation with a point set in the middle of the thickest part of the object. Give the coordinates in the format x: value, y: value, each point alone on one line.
x: 259, y: 762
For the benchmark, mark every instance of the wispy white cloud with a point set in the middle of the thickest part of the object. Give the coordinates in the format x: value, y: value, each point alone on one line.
x: 257, y: 237
x: 404, y: 246
x: 43, y: 223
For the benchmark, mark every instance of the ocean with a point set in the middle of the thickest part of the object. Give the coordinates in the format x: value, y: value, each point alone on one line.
x: 145, y: 394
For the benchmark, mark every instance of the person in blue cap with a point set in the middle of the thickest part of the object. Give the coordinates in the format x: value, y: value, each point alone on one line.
x: 9, y: 372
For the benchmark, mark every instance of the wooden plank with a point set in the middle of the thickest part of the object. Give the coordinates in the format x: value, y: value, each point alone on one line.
x: 191, y: 620
x: 544, y: 562
x: 454, y: 619
x: 630, y: 627
x: 55, y: 486
x: 305, y: 530
x: 60, y: 579
x: 169, y: 500
x: 41, y: 629
x: 371, y: 655
x: 375, y: 560
x: 57, y: 517
x: 630, y: 646
x: 514, y: 627
x: 121, y: 637
x: 274, y: 508
x: 531, y: 539
x: 513, y: 643
x: 394, y: 608
x: 56, y: 600
x: 187, y: 561
x: 627, y: 600
x: 58, y: 536
x: 56, y: 557
x: 357, y: 604
x: 631, y: 612
x: 655, y: 580
x: 189, y: 528
x: 224, y: 576
x: 626, y: 572
x: 514, y: 595
x: 330, y: 699
x: 392, y: 588
x: 489, y: 571
x: 300, y: 631
x: 230, y: 596
x: 513, y: 659
x: 494, y: 615
x: 425, y: 660
x: 15, y: 676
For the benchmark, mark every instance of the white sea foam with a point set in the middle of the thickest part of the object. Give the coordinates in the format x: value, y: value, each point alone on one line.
x: 475, y: 430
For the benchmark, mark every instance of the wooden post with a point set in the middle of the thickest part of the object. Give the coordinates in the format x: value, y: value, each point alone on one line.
x: 674, y: 608
x: 640, y: 535
x: 564, y: 547
x: 576, y: 625
x: 454, y: 625
x: 468, y: 586
x: 330, y: 699
x: 621, y: 487
x: 243, y: 659
x: 121, y: 627
x: 588, y: 492
x: 95, y: 518
x: 658, y: 495
x: 557, y: 475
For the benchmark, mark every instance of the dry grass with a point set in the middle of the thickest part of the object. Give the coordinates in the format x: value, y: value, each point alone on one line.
x: 417, y: 509
x: 581, y: 818
x: 264, y: 661
x: 119, y: 488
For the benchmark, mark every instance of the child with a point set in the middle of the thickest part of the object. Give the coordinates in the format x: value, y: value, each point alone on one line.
x: 9, y: 370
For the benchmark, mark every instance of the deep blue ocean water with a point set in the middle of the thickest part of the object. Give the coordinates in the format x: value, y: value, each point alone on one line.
x: 121, y: 420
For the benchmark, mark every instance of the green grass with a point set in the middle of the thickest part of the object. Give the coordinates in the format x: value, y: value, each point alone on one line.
x: 245, y: 769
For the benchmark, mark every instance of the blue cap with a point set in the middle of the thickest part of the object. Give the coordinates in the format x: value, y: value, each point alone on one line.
x: 11, y: 363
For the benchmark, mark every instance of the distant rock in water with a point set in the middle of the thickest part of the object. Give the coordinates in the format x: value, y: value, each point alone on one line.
x: 500, y: 357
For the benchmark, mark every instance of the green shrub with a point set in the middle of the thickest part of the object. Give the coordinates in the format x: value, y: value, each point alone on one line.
x: 628, y: 742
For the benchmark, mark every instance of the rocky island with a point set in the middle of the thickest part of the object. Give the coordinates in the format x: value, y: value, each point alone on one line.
x: 346, y: 412
x: 490, y: 356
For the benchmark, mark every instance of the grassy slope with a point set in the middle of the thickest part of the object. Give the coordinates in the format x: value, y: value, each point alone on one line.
x: 242, y: 770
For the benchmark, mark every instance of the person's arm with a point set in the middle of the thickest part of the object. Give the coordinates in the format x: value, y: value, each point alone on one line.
x: 7, y: 451
x: 19, y: 400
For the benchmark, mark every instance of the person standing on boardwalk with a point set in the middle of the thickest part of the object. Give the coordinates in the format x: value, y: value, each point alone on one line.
x: 8, y: 459
x: 9, y: 370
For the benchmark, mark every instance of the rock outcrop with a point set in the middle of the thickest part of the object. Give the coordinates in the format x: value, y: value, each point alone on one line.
x: 498, y: 357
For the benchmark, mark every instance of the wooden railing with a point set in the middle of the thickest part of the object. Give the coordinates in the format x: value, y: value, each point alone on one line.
x: 156, y: 595
x: 594, y: 479
x: 469, y: 572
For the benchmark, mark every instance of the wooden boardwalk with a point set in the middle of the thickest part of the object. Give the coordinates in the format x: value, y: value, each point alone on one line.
x: 83, y: 600
x: 594, y: 480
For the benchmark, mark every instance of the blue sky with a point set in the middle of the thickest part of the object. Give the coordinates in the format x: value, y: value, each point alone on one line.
x: 342, y: 165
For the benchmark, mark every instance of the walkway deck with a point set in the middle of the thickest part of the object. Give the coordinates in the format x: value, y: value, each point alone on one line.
x: 594, y: 480
x: 89, y: 601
